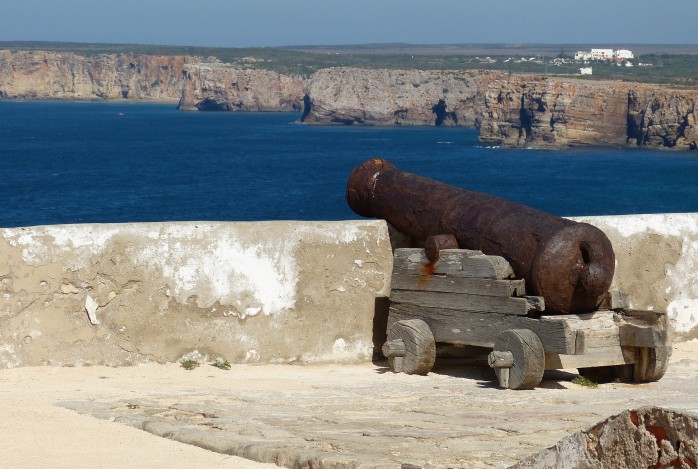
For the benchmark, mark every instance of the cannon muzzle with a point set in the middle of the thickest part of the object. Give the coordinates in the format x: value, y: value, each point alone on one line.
x: 569, y: 264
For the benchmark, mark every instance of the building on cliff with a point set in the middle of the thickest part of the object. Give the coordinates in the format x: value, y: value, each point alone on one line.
x: 604, y: 54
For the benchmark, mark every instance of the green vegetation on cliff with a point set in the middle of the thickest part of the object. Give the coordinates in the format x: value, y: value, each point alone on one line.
x: 674, y: 65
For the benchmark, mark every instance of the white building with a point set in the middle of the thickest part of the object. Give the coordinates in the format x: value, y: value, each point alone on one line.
x: 623, y: 54
x: 602, y: 54
x: 585, y: 71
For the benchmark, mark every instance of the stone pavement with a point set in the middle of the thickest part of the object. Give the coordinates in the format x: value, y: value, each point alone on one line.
x: 363, y: 415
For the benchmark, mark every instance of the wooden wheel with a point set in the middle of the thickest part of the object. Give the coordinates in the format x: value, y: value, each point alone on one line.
x: 518, y: 359
x: 410, y: 347
x: 652, y: 364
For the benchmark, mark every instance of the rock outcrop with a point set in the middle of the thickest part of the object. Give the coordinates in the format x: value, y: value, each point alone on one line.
x: 554, y: 112
x: 511, y: 110
x: 222, y: 87
x: 646, y: 437
x: 394, y: 97
x: 666, y: 119
x: 64, y: 75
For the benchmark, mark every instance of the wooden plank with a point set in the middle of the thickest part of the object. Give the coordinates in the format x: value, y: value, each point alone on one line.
x: 615, y: 300
x: 601, y: 356
x: 481, y: 329
x: 457, y: 262
x: 589, y: 340
x: 586, y: 321
x: 638, y: 336
x: 460, y: 302
x: 535, y: 303
x: 451, y: 284
x: 628, y: 328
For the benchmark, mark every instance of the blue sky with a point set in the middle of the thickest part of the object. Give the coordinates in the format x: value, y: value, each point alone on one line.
x: 242, y: 23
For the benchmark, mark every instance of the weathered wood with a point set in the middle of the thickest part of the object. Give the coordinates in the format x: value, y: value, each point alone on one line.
x: 601, y: 356
x: 481, y: 329
x: 652, y: 363
x: 503, y: 376
x: 464, y: 303
x: 457, y: 262
x: 394, y: 348
x: 615, y: 300
x: 645, y: 329
x: 535, y: 303
x: 420, y: 347
x: 500, y: 359
x: 594, y: 330
x: 463, y: 299
x: 528, y: 365
x: 632, y: 335
x: 402, y: 280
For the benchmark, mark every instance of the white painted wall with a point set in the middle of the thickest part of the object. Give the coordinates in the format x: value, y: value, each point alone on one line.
x: 266, y: 292
x: 657, y: 263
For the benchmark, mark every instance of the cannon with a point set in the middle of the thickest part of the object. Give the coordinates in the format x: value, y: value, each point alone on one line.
x: 569, y: 264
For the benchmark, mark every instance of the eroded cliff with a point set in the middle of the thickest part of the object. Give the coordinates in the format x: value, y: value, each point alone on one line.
x: 556, y: 112
x: 222, y: 87
x: 394, y: 97
x: 64, y: 75
x: 510, y: 110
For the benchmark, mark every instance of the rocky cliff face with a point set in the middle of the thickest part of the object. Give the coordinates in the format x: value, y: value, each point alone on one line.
x: 664, y: 118
x: 220, y: 87
x: 394, y: 97
x: 62, y: 75
x: 511, y: 110
x: 555, y: 112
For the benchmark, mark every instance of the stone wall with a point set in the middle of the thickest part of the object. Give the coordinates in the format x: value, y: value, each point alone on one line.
x: 265, y: 292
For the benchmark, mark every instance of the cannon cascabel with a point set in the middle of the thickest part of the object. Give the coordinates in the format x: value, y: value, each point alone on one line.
x: 569, y: 264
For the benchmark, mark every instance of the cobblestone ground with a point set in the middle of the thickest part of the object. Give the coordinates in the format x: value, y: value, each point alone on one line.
x: 366, y: 416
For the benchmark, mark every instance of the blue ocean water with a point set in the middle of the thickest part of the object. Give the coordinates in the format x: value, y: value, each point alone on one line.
x: 71, y: 162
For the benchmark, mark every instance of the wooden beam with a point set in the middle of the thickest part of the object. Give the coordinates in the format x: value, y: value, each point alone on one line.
x: 463, y: 303
x: 457, y: 262
x: 601, y: 356
x: 615, y: 300
x: 452, y: 284
x: 481, y: 329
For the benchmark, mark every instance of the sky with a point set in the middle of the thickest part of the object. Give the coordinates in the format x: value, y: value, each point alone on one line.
x: 252, y: 23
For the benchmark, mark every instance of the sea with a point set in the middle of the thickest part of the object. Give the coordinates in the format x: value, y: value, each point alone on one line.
x: 88, y: 162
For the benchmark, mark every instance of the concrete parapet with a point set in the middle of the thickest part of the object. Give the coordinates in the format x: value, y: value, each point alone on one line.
x: 263, y: 292
x: 267, y: 292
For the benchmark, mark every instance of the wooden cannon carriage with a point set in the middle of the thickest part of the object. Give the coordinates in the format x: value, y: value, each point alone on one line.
x: 463, y: 297
x: 471, y: 299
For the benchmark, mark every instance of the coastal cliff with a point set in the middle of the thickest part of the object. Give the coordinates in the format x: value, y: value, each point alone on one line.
x: 554, y: 112
x: 394, y: 97
x: 509, y: 109
x: 222, y: 87
x: 64, y: 75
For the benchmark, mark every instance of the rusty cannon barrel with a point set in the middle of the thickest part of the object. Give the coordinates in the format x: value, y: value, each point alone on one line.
x: 569, y: 264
